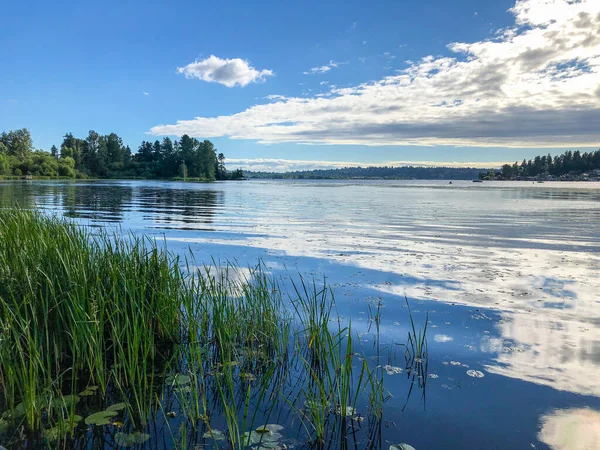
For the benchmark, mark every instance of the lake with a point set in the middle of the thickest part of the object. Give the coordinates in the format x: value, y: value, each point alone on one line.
x: 507, y: 273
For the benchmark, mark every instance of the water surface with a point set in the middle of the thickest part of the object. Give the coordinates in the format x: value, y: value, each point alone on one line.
x: 508, y: 272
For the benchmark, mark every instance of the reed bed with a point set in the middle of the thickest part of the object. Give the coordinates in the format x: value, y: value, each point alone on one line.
x: 108, y: 339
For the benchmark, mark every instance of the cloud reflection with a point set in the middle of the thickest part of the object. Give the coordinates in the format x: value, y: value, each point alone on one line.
x: 571, y: 429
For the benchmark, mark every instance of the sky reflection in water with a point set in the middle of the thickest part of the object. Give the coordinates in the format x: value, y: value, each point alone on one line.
x: 509, y: 273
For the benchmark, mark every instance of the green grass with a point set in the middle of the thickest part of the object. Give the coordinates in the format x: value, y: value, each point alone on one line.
x: 91, y: 319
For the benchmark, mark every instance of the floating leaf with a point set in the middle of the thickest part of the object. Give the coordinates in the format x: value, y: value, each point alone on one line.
x: 183, y: 389
x: 178, y: 379
x: 274, y: 428
x: 401, y: 447
x: 90, y: 390
x: 475, y: 373
x: 349, y: 411
x: 117, y: 407
x: 251, y: 437
x: 57, y: 432
x: 67, y: 401
x: 315, y: 404
x: 215, y: 435
x: 127, y: 440
x: 391, y: 370
x: 100, y: 418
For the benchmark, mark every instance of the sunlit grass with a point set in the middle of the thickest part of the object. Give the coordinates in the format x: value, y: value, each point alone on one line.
x: 117, y: 332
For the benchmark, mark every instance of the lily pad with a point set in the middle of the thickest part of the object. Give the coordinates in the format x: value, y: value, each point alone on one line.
x: 315, y: 404
x: 66, y: 401
x: 273, y: 428
x: 183, y: 389
x: 475, y: 373
x: 100, y: 418
x: 117, y: 407
x: 127, y: 440
x: 90, y: 390
x: 391, y: 370
x: 347, y: 413
x: 59, y: 431
x: 401, y: 447
x: 178, y: 379
x: 252, y: 437
x: 215, y: 435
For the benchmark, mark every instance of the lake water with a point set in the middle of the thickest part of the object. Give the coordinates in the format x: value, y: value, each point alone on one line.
x: 509, y: 273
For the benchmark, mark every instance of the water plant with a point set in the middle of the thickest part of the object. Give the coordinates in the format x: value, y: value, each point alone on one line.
x: 109, y: 337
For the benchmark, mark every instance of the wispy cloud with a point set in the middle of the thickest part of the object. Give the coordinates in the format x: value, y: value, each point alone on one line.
x: 535, y: 84
x: 287, y: 165
x: 228, y: 72
x: 323, y: 69
x: 145, y: 93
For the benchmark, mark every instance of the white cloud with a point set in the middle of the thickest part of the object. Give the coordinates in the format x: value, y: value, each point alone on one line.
x: 324, y: 69
x: 145, y: 93
x: 228, y: 72
x: 535, y: 84
x: 442, y: 338
x: 287, y: 165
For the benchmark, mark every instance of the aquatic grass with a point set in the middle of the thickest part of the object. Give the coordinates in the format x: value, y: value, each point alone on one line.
x: 117, y: 319
x: 416, y: 356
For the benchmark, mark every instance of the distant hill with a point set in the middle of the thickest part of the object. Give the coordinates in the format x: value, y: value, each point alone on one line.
x: 375, y: 173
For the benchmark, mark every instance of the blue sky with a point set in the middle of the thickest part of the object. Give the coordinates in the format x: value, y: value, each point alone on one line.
x: 310, y: 84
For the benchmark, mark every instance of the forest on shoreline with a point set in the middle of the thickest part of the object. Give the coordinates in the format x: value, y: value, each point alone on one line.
x: 570, y: 166
x: 374, y: 173
x: 106, y: 156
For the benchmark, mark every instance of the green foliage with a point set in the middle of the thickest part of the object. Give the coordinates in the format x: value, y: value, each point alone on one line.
x: 116, y: 329
x: 105, y: 156
x: 574, y: 163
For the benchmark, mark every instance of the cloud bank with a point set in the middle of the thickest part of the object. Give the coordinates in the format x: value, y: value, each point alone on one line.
x: 228, y: 72
x: 289, y: 165
x: 535, y: 84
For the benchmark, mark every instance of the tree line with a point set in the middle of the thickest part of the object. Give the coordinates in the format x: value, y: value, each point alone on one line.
x: 106, y: 156
x: 376, y: 173
x: 570, y: 162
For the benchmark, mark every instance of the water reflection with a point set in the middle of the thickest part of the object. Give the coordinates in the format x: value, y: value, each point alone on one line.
x: 571, y: 429
x: 95, y: 202
x: 514, y: 270
x: 178, y: 206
